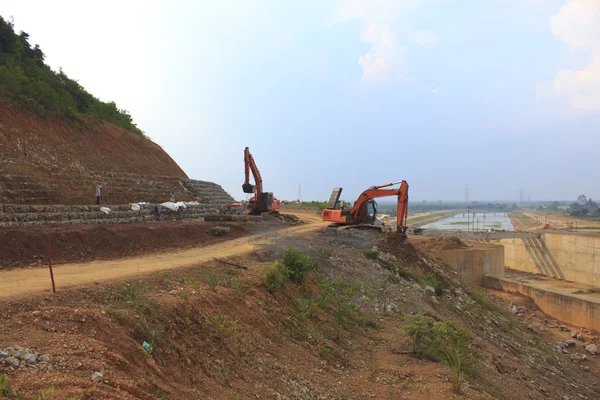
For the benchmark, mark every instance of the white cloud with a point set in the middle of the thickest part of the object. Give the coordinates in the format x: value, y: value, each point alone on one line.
x: 424, y: 38
x: 386, y: 58
x: 437, y: 89
x: 578, y: 25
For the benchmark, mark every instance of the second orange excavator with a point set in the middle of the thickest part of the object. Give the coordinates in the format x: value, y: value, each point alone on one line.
x: 364, y: 212
x: 261, y: 202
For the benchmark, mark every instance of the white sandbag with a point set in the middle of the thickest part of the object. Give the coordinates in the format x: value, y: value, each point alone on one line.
x: 173, y: 206
x: 135, y: 207
x: 105, y: 210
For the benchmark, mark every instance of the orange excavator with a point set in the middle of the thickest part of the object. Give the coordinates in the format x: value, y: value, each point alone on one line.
x: 364, y: 212
x: 261, y: 202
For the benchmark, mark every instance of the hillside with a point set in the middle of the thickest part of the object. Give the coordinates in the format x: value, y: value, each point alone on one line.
x: 51, y: 161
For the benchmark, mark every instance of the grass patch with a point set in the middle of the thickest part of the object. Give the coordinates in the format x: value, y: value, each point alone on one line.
x: 371, y: 254
x: 5, y: 390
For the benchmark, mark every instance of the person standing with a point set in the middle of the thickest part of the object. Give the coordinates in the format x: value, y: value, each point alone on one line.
x: 98, y: 194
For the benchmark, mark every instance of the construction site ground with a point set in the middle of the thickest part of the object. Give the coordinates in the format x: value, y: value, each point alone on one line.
x: 217, y: 333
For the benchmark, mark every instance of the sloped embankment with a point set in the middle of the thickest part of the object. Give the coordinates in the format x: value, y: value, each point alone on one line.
x: 217, y: 332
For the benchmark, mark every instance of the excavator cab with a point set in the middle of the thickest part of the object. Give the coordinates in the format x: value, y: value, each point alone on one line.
x: 370, y: 213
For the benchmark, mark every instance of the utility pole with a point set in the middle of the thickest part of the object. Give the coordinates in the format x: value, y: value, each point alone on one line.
x: 299, y: 192
x: 521, y: 195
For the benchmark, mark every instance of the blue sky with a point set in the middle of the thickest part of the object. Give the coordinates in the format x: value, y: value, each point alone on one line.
x: 496, y: 94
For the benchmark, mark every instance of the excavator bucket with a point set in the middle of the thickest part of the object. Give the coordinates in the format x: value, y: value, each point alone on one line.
x: 335, y: 197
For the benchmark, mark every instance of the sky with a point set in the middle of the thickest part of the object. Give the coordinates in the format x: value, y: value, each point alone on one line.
x: 498, y: 95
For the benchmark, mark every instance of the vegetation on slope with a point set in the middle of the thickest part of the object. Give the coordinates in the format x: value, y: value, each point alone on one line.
x: 27, y: 80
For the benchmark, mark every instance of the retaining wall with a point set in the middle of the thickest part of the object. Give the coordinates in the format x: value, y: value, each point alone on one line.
x: 564, y: 307
x: 474, y: 264
x: 560, y: 255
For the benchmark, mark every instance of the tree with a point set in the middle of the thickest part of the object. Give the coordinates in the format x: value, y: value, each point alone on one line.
x: 582, y: 199
x: 553, y: 206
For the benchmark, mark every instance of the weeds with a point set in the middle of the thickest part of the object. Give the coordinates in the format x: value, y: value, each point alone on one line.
x: 239, y: 286
x: 336, y: 297
x: 6, y: 390
x: 130, y: 295
x: 479, y: 298
x: 212, y: 280
x: 276, y: 276
x: 221, y: 326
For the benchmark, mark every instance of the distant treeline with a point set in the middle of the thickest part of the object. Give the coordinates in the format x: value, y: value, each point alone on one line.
x: 27, y: 80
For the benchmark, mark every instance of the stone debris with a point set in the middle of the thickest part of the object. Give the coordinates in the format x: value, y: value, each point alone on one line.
x: 20, y: 357
x: 220, y: 231
x: 573, y: 334
x: 429, y: 291
x: 569, y: 343
x: 97, y: 377
x: 592, y: 348
x: 563, y: 328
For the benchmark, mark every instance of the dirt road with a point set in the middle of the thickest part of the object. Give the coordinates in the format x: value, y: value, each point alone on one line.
x: 22, y: 282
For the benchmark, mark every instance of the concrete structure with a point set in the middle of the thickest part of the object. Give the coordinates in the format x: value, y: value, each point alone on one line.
x: 570, y: 302
x: 475, y: 263
x: 570, y: 256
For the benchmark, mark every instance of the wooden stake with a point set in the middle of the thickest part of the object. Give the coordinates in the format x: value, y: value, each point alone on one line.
x: 50, y: 268
x: 230, y: 263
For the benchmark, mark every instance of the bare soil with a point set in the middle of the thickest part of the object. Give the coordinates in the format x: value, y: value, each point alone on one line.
x: 440, y: 243
x: 28, y: 246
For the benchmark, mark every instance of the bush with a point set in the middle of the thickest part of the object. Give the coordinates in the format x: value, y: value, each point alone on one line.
x: 446, y: 342
x: 298, y: 264
x: 276, y: 276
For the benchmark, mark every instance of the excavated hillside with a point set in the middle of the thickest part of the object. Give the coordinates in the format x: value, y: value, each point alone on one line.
x: 50, y: 160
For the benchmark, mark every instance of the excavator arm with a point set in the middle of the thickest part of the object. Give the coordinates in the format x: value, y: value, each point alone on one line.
x: 250, y: 165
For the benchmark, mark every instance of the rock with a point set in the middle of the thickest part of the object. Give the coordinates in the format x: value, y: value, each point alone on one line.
x: 573, y: 334
x: 514, y: 309
x: 580, y: 337
x: 12, y: 361
x: 569, y: 343
x: 3, y: 354
x: 576, y: 358
x: 584, y: 367
x: 45, y: 358
x: 592, y: 348
x: 563, y: 328
x: 220, y: 231
x: 429, y: 291
x: 97, y: 377
x: 28, y: 357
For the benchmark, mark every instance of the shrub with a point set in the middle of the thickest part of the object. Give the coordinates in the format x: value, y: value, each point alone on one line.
x: 435, y: 283
x: 276, y: 276
x: 450, y: 345
x: 371, y: 254
x: 5, y: 390
x: 298, y: 263
x: 221, y: 326
x: 446, y: 342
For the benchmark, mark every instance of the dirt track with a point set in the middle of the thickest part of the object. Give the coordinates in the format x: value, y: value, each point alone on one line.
x: 22, y: 282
